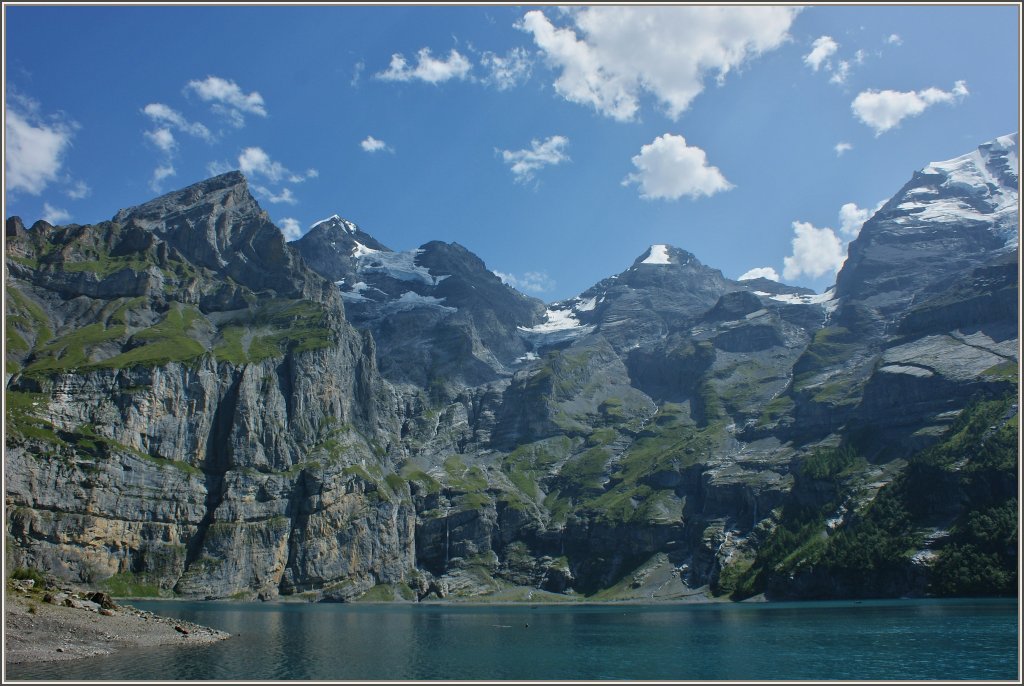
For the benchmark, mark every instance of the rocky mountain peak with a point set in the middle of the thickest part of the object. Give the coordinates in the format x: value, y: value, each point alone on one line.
x: 952, y: 215
x: 662, y: 254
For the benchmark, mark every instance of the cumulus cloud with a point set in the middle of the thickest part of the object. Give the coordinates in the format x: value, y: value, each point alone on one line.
x: 162, y: 114
x: 253, y: 161
x: 540, y: 154
x: 168, y: 120
x: 285, y: 195
x: 508, y: 71
x: 821, y: 49
x: 760, y: 273
x: 78, y: 190
x: 883, y: 110
x: 54, y: 215
x: 34, y: 150
x: 163, y: 139
x: 357, y: 73
x: 428, y: 68
x: 611, y: 55
x: 162, y: 172
x: 816, y: 252
x: 228, y: 99
x: 852, y: 218
x: 894, y: 39
x: 290, y: 227
x: 840, y: 72
x: 668, y: 168
x: 371, y: 144
x: 842, y: 147
x: 532, y: 282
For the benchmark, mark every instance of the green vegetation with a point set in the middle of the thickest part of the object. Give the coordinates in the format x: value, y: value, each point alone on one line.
x: 421, y: 478
x: 529, y: 463
x: 969, y: 478
x: 380, y: 593
x: 167, y: 341
x: 22, y: 413
x: 775, y: 409
x: 1005, y: 371
x: 464, y: 478
x: 830, y: 347
x: 105, y: 265
x: 129, y: 585
x: 827, y: 464
x: 29, y: 573
x: 25, y: 315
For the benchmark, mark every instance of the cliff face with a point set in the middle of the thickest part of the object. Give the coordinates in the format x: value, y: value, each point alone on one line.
x: 190, y: 405
x: 194, y: 406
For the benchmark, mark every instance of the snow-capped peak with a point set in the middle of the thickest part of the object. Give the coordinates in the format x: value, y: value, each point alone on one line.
x: 658, y: 254
x: 335, y: 219
x: 980, y: 186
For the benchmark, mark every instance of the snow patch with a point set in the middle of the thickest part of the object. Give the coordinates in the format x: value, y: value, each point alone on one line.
x: 333, y: 217
x: 528, y: 357
x: 585, y: 305
x: 398, y: 265
x: 360, y: 250
x: 346, y: 224
x: 973, y: 188
x: 658, y: 255
x: 556, y: 320
x: 799, y: 299
x: 410, y: 300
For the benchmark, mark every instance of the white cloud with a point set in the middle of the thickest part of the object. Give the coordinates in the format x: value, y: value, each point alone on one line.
x: 78, y: 190
x: 621, y: 52
x: 821, y: 49
x: 371, y: 144
x: 228, y: 99
x: 54, y: 215
x: 852, y: 218
x: 668, y: 168
x: 842, y: 147
x: 163, y: 139
x: 508, y: 71
x: 816, y: 252
x: 841, y: 71
x: 291, y: 228
x: 883, y: 110
x: 540, y: 154
x: 162, y: 114
x: 357, y: 73
x: 860, y: 56
x: 159, y: 174
x: 760, y: 273
x: 285, y: 195
x: 894, y: 39
x: 533, y: 282
x: 254, y: 161
x: 34, y: 150
x: 218, y: 167
x: 428, y: 68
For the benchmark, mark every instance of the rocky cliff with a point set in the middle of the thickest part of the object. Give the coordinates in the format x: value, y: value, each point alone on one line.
x: 195, y: 407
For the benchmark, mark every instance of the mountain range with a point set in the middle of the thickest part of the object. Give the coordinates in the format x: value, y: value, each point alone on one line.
x: 195, y: 407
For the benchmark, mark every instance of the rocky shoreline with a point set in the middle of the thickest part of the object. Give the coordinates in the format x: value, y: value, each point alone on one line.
x: 55, y: 626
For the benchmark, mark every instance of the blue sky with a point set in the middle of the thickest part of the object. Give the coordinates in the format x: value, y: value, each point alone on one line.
x: 555, y: 144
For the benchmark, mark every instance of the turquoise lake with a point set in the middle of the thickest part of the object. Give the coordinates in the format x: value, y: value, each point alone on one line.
x: 870, y: 640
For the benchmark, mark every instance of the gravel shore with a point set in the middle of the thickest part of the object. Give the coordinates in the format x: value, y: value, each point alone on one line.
x: 39, y: 631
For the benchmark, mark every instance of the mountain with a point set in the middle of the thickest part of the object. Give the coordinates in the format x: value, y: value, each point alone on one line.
x: 439, y: 317
x: 195, y: 407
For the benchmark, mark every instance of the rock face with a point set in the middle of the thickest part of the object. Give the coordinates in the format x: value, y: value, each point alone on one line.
x: 196, y: 407
x: 440, y: 318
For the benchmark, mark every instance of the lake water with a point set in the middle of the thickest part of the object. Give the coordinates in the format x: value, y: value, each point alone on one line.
x: 871, y: 640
